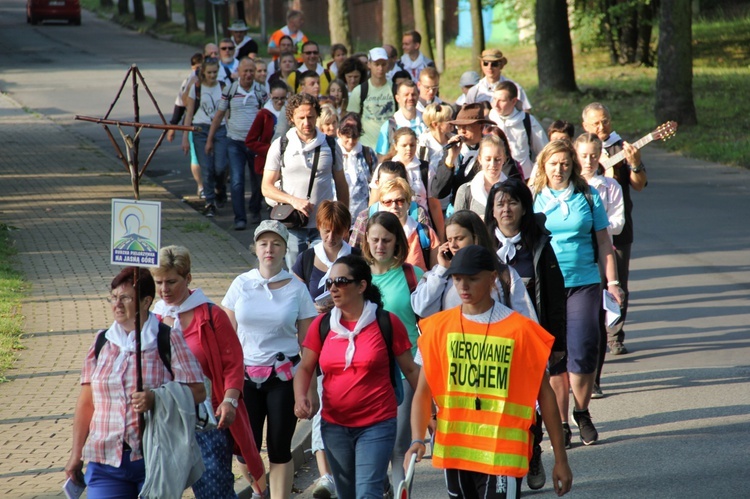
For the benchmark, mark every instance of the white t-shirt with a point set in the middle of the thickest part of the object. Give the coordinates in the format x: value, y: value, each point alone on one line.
x: 210, y: 98
x: 266, y: 327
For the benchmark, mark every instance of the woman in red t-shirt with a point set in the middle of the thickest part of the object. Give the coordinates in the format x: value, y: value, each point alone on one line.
x: 359, y: 401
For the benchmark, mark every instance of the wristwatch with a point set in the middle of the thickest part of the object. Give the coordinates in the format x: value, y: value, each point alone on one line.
x: 637, y: 169
x: 232, y: 401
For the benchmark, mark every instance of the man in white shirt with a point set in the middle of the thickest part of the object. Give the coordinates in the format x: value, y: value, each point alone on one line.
x: 428, y: 85
x: 373, y: 99
x: 244, y: 45
x: 243, y: 99
x: 413, y: 60
x: 493, y: 63
x: 406, y: 116
x: 227, y: 63
x: 292, y: 168
x: 525, y: 135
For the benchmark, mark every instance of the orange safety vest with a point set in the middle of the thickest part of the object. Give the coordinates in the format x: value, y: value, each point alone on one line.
x: 503, y: 369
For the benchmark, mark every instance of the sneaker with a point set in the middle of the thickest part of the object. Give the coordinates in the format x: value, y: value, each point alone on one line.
x: 568, y: 434
x: 586, y: 428
x: 617, y: 348
x: 221, y: 201
x: 240, y: 225
x: 209, y: 210
x: 200, y: 193
x: 324, y: 488
x: 266, y: 494
x: 253, y: 218
x: 536, y: 477
x: 596, y: 392
x: 389, y: 493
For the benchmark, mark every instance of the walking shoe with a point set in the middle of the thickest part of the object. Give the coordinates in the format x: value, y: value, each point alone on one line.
x: 536, y: 477
x: 324, y: 488
x: 596, y: 392
x: 254, y: 218
x: 221, y: 200
x: 209, y: 210
x: 568, y: 434
x: 617, y: 348
x: 389, y: 493
x: 586, y: 429
x: 240, y: 225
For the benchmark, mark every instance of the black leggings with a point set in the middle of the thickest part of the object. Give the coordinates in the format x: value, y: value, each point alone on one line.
x: 275, y: 400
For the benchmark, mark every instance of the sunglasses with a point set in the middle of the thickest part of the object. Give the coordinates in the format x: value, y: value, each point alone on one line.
x: 227, y: 48
x: 494, y: 64
x: 340, y: 282
x: 399, y: 202
x: 311, y: 52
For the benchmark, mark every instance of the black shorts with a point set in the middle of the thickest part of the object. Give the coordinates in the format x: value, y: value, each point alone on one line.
x: 472, y: 485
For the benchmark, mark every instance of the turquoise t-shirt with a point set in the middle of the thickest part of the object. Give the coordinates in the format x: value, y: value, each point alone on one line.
x: 571, y: 235
x: 397, y: 299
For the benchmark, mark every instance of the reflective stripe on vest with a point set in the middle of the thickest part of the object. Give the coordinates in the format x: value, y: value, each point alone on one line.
x: 493, y: 405
x: 482, y: 430
x: 481, y: 457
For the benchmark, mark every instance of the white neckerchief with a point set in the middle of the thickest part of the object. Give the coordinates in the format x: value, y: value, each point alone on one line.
x: 368, y: 316
x: 409, y: 227
x: 613, y: 138
x: 350, y: 159
x: 553, y: 201
x: 195, y: 299
x: 403, y: 121
x: 507, y: 250
x: 468, y: 158
x: 269, y: 105
x: 125, y: 340
x: 303, y: 147
x: 320, y: 252
x: 478, y: 191
x: 255, y: 280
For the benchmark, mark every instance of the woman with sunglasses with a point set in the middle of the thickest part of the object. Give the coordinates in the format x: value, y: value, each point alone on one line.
x: 385, y: 250
x: 271, y: 311
x: 359, y: 400
x: 422, y: 241
x: 202, y: 102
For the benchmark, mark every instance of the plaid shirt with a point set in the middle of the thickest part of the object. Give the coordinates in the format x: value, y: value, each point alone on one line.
x: 114, y: 421
x: 357, y: 236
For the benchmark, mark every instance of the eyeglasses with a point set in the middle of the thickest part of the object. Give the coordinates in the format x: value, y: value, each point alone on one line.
x: 227, y: 48
x: 432, y: 89
x: 340, y: 282
x: 603, y: 122
x: 494, y: 64
x: 278, y: 99
x: 311, y: 52
x: 388, y: 202
x: 124, y: 299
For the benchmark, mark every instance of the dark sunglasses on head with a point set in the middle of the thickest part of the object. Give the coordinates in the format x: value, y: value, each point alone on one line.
x: 399, y: 202
x: 494, y: 64
x: 340, y: 282
x: 227, y: 48
x: 311, y: 52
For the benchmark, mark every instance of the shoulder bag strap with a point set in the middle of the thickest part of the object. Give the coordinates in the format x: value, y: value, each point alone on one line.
x: 313, y: 170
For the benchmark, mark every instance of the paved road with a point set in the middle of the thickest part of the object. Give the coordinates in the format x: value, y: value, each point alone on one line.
x: 676, y: 420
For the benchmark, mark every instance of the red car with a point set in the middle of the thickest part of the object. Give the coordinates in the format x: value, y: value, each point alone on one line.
x: 65, y: 10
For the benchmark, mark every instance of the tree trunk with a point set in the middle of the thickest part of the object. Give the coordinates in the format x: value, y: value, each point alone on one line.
x: 477, y: 45
x: 554, y: 50
x: 138, y: 13
x: 208, y: 15
x: 643, y: 53
x: 423, y: 27
x: 391, y: 23
x: 440, y: 35
x: 122, y: 7
x: 106, y: 3
x: 674, y: 79
x: 338, y: 23
x: 628, y: 34
x: 191, y: 16
x: 162, y: 12
x: 608, y: 27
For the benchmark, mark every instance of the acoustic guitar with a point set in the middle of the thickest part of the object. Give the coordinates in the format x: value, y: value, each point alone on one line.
x: 662, y: 132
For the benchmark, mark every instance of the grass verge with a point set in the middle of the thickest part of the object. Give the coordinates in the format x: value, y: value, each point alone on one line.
x: 12, y: 290
x: 721, y: 51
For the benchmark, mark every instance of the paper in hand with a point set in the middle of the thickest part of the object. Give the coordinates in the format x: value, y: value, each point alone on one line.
x: 72, y: 490
x: 611, y: 307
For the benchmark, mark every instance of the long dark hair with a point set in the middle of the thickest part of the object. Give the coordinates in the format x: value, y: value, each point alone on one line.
x: 391, y: 223
x: 360, y: 271
x: 517, y: 190
x: 471, y: 222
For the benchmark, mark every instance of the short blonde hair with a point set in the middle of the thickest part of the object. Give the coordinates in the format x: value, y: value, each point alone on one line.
x: 173, y: 258
x: 328, y: 115
x: 436, y: 113
x: 396, y: 184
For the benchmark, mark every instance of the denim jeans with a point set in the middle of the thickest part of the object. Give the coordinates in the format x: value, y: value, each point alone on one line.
x: 300, y: 240
x: 107, y: 482
x: 240, y: 157
x: 214, y: 165
x: 359, y: 457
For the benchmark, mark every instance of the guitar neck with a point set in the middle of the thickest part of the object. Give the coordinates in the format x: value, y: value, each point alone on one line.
x: 613, y: 160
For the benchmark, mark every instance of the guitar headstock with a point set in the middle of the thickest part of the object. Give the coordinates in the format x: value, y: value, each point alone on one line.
x: 665, y: 131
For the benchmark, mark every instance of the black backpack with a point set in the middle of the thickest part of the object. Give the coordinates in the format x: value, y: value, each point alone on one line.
x: 162, y: 344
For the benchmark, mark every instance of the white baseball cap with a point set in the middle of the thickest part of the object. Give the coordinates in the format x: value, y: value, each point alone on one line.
x: 378, y: 54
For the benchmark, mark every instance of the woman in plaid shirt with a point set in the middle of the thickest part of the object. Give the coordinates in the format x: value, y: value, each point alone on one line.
x: 105, y: 426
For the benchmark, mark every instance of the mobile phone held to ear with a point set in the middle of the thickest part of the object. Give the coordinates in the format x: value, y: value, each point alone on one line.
x: 447, y: 255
